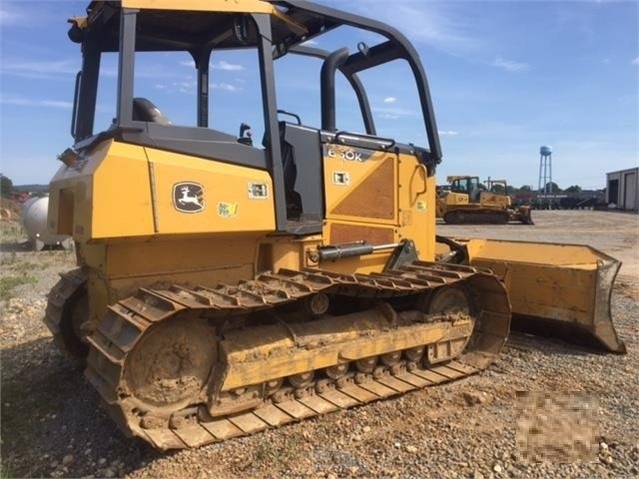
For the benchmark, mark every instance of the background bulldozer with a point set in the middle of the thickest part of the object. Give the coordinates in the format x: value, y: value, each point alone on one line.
x: 224, y: 287
x: 465, y: 200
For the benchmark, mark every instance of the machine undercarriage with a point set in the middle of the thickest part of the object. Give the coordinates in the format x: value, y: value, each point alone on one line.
x: 182, y: 367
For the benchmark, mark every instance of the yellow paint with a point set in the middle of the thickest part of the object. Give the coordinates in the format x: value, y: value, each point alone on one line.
x: 461, y: 201
x: 487, y: 198
x: 118, y: 201
x: 120, y: 190
x: 80, y: 22
x: 121, y: 195
x: 412, y: 219
x: 212, y: 6
x: 576, y: 256
x: 229, y: 6
x: 357, y: 172
x: 279, y: 357
x: 105, y: 194
x: 453, y: 199
x: 415, y: 193
x: 286, y: 252
x: 123, y: 266
x: 557, y: 281
x: 228, y: 207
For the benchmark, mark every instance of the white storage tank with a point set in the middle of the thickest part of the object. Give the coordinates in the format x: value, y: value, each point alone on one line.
x: 34, y: 219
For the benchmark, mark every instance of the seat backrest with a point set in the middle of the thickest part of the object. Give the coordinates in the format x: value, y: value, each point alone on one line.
x: 145, y: 110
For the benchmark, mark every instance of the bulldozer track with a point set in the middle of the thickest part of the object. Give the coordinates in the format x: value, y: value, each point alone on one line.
x: 128, y: 319
x: 57, y: 315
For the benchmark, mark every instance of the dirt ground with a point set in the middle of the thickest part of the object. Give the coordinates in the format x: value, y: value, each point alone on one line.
x: 576, y: 400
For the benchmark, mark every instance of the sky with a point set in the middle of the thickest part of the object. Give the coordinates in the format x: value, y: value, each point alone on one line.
x: 505, y: 76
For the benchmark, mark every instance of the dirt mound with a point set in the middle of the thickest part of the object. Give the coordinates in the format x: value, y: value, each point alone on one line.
x: 10, y: 209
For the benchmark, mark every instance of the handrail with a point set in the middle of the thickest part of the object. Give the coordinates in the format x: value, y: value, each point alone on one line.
x: 74, y: 113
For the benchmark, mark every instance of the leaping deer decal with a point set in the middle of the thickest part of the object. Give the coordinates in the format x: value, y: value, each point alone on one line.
x: 188, y: 199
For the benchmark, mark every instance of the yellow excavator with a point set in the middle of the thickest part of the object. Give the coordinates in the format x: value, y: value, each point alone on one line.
x: 465, y: 200
x: 224, y: 287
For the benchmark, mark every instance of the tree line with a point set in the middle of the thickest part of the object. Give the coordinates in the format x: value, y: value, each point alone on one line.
x: 554, y: 187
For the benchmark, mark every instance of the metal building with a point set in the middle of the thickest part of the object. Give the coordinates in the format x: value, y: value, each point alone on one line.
x: 622, y: 189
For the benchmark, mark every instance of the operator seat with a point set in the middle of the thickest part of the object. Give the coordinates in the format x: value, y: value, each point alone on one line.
x: 145, y: 110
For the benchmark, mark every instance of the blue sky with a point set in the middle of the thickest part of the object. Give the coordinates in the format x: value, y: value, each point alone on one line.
x: 505, y: 77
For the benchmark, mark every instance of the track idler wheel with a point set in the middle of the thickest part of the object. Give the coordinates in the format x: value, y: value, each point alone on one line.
x: 171, y: 364
x: 450, y: 301
x: 67, y: 315
x: 74, y: 325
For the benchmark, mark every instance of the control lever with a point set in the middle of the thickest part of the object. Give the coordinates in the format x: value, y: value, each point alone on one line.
x: 248, y: 139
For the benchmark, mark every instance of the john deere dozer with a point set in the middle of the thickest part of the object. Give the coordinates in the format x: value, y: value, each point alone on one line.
x: 225, y: 287
x: 467, y: 201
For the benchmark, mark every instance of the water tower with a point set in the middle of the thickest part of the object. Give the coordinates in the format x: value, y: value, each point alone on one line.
x: 545, y: 170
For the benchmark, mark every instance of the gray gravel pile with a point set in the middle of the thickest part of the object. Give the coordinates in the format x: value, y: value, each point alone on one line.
x: 52, y: 424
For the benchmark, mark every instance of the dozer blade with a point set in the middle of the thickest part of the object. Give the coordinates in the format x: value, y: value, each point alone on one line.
x: 523, y: 214
x: 554, y: 289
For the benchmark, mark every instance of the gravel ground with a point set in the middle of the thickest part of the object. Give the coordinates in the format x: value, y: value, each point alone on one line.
x: 52, y: 425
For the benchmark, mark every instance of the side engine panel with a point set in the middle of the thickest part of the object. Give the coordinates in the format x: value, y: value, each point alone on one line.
x: 377, y: 196
x: 118, y: 190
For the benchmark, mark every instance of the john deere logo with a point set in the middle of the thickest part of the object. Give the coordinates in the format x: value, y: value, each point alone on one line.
x: 188, y: 197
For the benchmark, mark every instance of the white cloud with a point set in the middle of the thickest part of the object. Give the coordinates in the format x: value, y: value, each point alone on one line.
x: 226, y: 66
x: 40, y: 69
x: 510, y: 65
x: 390, y: 99
x: 221, y: 65
x: 393, y: 113
x: 309, y: 43
x: 9, y: 16
x: 186, y: 86
x: 448, y: 132
x: 225, y: 86
x: 29, y: 102
x: 440, y: 24
x: 635, y: 61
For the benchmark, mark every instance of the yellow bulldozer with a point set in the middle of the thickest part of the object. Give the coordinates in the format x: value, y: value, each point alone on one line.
x: 224, y: 287
x: 465, y: 200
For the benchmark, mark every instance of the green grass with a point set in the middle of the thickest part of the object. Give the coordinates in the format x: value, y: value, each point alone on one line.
x: 8, y: 258
x: 23, y: 268
x: 8, y: 283
x: 5, y: 471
